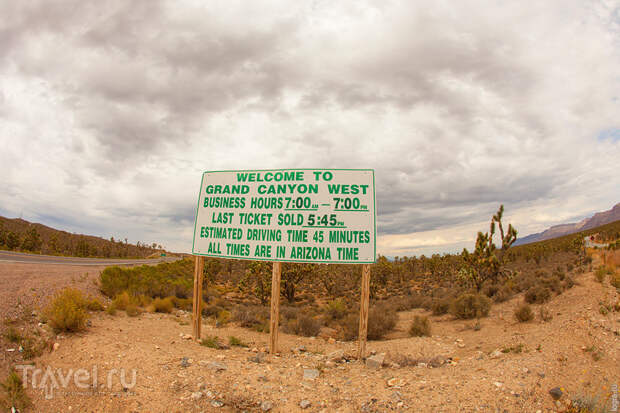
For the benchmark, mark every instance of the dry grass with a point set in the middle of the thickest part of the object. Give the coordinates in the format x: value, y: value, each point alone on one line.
x: 67, y: 311
x: 524, y: 313
x: 420, y: 327
x: 13, y: 394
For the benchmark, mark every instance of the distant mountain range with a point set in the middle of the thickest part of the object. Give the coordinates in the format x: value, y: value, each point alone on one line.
x: 598, y: 219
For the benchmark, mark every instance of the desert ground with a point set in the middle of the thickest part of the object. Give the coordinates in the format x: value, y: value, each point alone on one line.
x: 499, y: 366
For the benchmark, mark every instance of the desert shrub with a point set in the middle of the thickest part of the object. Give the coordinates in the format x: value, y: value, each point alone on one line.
x: 336, y: 309
x: 614, y: 280
x: 568, y: 283
x: 121, y: 301
x: 162, y: 280
x: 524, y: 313
x: 93, y: 304
x: 223, y: 318
x: 255, y: 317
x: 162, y: 305
x: 133, y: 310
x: 545, y: 315
x: 211, y: 310
x: 537, y: 295
x: 381, y: 320
x: 111, y: 309
x: 183, y: 303
x: 468, y: 306
x: 307, y: 326
x: 600, y: 274
x: 441, y: 306
x: 420, y: 327
x: 67, y: 311
x: 503, y: 294
x: 553, y: 283
x: 13, y: 395
x: 211, y: 342
x: 12, y: 335
x: 289, y: 313
x: 416, y: 300
x: 236, y: 342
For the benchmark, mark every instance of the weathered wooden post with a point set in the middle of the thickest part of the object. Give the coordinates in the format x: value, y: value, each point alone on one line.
x: 199, y: 262
x: 364, y: 306
x: 275, y: 307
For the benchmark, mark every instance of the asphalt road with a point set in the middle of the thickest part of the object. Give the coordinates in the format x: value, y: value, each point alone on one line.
x: 19, y: 257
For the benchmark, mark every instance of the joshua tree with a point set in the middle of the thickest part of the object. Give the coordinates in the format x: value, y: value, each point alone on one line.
x: 485, y: 263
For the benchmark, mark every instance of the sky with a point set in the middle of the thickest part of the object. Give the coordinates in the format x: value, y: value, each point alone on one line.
x: 110, y: 111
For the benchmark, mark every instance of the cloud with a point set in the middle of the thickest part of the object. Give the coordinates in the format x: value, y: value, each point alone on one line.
x: 110, y: 112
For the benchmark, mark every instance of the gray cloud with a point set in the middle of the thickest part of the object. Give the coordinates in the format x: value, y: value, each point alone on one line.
x: 458, y: 107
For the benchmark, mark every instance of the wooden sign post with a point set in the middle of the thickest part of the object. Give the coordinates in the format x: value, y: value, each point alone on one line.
x: 364, y: 305
x: 275, y: 307
x: 199, y: 262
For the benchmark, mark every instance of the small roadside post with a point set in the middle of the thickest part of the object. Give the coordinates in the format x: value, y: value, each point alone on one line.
x: 286, y: 216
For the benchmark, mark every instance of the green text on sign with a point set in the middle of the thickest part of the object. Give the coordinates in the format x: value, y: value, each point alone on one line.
x: 294, y: 215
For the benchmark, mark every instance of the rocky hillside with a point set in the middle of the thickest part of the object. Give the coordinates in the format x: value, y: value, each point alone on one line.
x: 598, y: 219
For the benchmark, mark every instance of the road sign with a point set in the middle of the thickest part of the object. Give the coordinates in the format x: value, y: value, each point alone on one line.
x: 287, y: 215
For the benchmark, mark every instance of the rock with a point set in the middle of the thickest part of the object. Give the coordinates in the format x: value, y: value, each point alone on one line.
x: 331, y: 340
x: 254, y: 350
x: 186, y: 336
x: 541, y: 375
x: 185, y: 362
x: 376, y: 361
x: 258, y: 358
x: 196, y: 396
x: 217, y: 403
x: 217, y: 366
x: 266, y: 406
x: 311, y: 374
x: 336, y: 355
x: 556, y: 393
x: 56, y: 346
x: 304, y: 404
x: 498, y: 384
x: 262, y: 377
x: 299, y: 349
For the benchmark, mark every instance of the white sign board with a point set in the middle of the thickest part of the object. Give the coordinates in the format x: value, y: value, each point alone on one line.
x: 289, y: 215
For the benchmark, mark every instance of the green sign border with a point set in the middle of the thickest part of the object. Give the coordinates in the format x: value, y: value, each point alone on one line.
x: 374, y: 199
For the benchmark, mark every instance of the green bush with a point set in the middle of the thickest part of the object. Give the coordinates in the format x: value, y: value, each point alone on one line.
x: 67, y: 311
x: 420, y: 327
x: 524, y: 313
x: 468, y: 306
x: 236, y: 342
x: 162, y: 280
x: 211, y: 342
x: 537, y: 295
